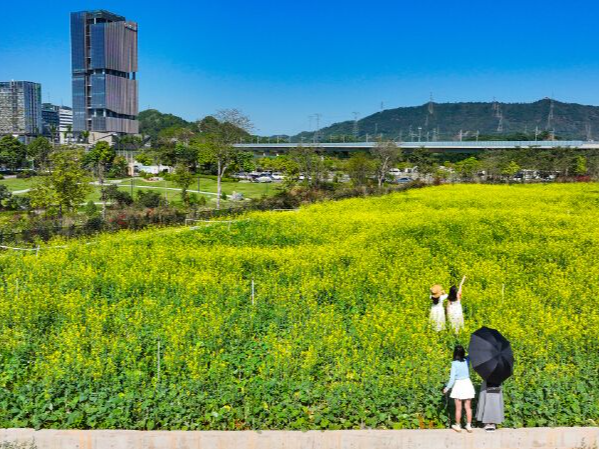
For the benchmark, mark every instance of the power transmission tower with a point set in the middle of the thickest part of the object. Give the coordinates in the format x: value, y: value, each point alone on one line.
x: 317, y: 133
x: 430, y: 110
x: 550, y: 116
x: 589, y: 131
x: 431, y: 105
x: 355, y: 130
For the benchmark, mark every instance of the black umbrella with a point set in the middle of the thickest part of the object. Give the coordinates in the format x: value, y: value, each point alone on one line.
x: 491, y: 355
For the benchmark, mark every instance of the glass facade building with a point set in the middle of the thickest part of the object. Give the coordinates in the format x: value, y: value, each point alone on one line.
x: 50, y: 120
x: 104, y: 65
x: 20, y: 108
x: 57, y: 122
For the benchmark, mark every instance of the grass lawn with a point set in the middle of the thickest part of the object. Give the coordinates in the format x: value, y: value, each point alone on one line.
x: 17, y: 184
x: 248, y: 189
x: 208, y: 186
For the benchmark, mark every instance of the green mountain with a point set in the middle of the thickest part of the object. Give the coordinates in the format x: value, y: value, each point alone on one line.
x: 152, y: 122
x: 445, y: 121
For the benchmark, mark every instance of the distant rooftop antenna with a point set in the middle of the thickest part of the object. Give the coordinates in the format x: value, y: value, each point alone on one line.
x: 355, y: 129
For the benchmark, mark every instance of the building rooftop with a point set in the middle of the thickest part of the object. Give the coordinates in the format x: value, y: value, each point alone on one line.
x: 103, y: 14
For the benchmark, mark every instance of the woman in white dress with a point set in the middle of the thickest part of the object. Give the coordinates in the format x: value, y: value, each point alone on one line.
x: 455, y: 314
x: 437, y: 315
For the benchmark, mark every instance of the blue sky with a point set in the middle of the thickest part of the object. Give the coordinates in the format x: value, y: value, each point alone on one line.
x: 281, y: 62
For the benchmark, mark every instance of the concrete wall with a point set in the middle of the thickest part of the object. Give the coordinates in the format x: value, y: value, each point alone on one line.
x: 556, y: 438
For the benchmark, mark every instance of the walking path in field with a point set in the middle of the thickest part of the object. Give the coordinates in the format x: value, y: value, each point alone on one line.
x: 166, y: 188
x: 537, y: 438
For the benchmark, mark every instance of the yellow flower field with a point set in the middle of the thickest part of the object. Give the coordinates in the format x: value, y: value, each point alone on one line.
x: 157, y: 329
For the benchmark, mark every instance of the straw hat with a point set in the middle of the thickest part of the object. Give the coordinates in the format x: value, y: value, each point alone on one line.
x: 436, y: 291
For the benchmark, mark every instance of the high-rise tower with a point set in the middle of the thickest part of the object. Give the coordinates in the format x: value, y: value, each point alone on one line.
x: 20, y: 108
x: 104, y: 65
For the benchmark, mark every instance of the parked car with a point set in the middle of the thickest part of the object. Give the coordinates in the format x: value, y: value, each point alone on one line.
x: 403, y: 180
x: 264, y: 179
x: 241, y: 175
x: 276, y: 176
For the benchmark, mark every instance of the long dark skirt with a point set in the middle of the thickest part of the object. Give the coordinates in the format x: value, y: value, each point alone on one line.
x: 490, y: 405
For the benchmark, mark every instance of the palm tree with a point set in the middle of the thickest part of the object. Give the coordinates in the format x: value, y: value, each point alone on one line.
x: 53, y: 134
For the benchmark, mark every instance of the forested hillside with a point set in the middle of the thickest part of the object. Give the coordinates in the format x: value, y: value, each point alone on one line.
x: 445, y: 121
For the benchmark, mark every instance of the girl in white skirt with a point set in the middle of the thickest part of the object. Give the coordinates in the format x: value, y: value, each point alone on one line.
x: 455, y: 314
x: 437, y: 315
x: 462, y: 390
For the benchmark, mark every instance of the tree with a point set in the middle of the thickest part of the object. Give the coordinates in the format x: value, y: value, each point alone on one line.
x: 581, y: 166
x: 13, y: 153
x: 386, y: 154
x: 39, y: 150
x: 99, y: 159
x: 510, y: 170
x: 307, y: 162
x: 215, y: 145
x: 5, y: 196
x: 119, y: 168
x: 119, y: 197
x: 182, y: 177
x: 360, y: 168
x: 91, y: 210
x: 468, y: 168
x: 149, y: 199
x: 424, y: 160
x: 66, y: 186
x: 68, y: 134
x: 53, y: 134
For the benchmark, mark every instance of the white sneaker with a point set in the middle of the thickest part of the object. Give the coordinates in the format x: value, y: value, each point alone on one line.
x: 457, y: 427
x: 490, y: 427
x: 468, y: 428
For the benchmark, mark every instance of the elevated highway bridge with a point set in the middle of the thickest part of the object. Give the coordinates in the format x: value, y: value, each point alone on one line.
x: 273, y: 149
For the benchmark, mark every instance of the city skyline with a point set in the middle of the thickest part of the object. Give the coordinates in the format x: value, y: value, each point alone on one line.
x: 280, y: 65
